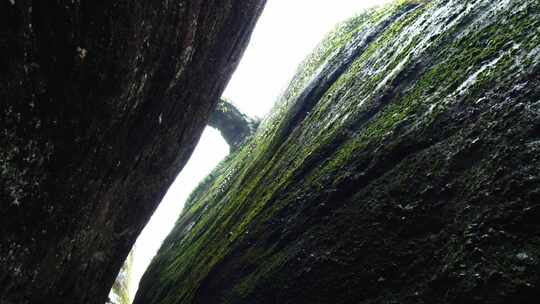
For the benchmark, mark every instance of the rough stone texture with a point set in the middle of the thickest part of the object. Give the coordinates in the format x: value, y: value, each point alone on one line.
x: 401, y: 166
x: 102, y: 103
x: 234, y: 126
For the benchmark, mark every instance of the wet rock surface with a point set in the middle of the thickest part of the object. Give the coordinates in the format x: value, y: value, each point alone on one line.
x: 401, y: 166
x: 101, y: 104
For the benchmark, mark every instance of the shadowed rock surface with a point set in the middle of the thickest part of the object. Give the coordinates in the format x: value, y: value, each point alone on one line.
x: 102, y: 103
x: 400, y: 166
x: 233, y: 125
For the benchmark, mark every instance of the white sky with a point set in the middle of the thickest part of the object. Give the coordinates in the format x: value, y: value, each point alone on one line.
x: 208, y: 153
x: 286, y: 33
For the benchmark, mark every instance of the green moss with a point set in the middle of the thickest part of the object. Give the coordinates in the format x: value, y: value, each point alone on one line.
x: 391, y: 82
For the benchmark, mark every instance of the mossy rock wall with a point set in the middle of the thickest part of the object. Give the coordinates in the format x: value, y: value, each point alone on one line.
x: 401, y: 166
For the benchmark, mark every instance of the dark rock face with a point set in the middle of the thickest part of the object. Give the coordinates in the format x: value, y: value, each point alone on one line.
x: 234, y: 126
x: 401, y: 166
x: 102, y: 103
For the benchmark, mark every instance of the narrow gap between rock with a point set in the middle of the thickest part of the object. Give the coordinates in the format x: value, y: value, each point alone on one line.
x: 285, y: 34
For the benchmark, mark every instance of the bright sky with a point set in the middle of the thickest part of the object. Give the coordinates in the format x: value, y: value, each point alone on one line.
x: 208, y: 153
x: 286, y: 33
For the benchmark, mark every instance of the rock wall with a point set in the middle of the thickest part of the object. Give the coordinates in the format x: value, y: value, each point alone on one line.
x: 101, y: 105
x: 401, y: 166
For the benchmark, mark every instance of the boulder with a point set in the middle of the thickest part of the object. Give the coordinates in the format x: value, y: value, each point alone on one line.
x: 101, y: 105
x: 400, y: 166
